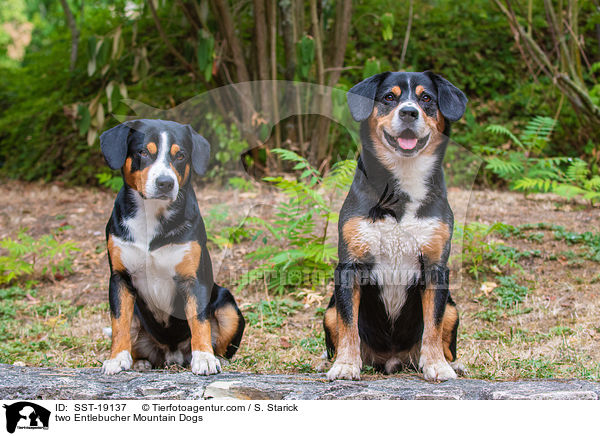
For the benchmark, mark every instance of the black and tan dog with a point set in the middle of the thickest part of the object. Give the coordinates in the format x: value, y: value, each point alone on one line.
x: 165, y: 306
x: 391, y: 306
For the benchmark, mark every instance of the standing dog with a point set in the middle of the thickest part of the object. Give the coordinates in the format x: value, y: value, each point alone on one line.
x: 391, y: 305
x: 164, y: 304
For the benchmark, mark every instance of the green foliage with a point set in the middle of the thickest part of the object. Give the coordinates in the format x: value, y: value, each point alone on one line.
x: 509, y: 292
x: 224, y: 236
x: 110, y: 180
x: 305, y: 51
x: 566, y: 176
x: 227, y: 146
x: 480, y: 255
x: 34, y: 258
x: 295, y: 252
x: 240, y: 183
x: 270, y: 315
x: 590, y: 239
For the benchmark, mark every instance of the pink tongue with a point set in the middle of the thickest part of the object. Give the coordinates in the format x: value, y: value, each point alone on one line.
x: 407, y: 144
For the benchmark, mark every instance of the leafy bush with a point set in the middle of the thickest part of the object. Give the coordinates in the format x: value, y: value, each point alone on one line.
x: 525, y: 171
x: 34, y: 258
x: 295, y: 251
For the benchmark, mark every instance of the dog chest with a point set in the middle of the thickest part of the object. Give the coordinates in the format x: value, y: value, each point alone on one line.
x: 153, y: 273
x: 395, y: 248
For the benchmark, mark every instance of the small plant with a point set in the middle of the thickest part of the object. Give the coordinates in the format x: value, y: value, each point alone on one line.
x: 525, y: 171
x: 295, y: 251
x: 109, y: 180
x: 589, y: 239
x: 33, y: 258
x: 224, y: 236
x: 509, y: 292
x: 240, y: 184
x: 270, y: 315
x: 229, y: 144
x: 481, y: 255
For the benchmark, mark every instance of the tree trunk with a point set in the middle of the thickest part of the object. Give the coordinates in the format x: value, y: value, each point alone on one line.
x: 74, y: 33
x: 262, y: 66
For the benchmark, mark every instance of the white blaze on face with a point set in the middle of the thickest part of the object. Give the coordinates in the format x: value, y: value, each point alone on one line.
x: 418, y: 126
x: 161, y: 167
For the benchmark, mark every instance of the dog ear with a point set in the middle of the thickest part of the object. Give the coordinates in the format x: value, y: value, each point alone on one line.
x: 451, y: 100
x: 361, y: 97
x: 113, y: 144
x: 200, y: 152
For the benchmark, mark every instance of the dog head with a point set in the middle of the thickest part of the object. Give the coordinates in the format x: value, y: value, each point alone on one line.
x: 156, y: 156
x: 407, y: 113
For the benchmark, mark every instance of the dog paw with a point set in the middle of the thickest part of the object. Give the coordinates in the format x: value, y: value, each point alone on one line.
x: 438, y: 371
x: 121, y: 362
x: 459, y: 368
x: 204, y: 363
x: 142, y: 365
x: 344, y: 371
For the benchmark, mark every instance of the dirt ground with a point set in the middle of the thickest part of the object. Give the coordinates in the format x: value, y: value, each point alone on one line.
x: 557, y: 336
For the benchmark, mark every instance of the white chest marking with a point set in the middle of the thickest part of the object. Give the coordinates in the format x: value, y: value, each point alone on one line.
x: 412, y: 174
x: 395, y: 247
x: 152, y: 272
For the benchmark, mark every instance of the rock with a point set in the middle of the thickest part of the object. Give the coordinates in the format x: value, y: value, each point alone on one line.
x: 89, y: 383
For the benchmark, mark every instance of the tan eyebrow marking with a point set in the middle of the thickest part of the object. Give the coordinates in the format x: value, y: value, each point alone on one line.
x: 152, y: 148
x: 419, y: 90
x: 396, y: 90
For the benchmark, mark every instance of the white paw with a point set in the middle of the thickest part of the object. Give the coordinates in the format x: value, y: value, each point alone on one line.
x: 438, y: 371
x: 458, y: 367
x: 204, y: 363
x: 121, y: 362
x: 344, y: 370
x: 142, y: 365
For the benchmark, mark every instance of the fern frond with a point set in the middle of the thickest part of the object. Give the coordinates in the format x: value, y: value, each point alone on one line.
x: 535, y: 185
x: 499, y: 130
x: 504, y: 168
x: 537, y: 132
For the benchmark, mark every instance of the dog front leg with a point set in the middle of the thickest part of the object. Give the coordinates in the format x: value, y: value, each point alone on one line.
x: 348, y: 363
x: 432, y: 361
x: 203, y: 361
x: 122, y: 302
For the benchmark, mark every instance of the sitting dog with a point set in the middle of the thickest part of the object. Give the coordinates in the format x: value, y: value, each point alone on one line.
x: 391, y: 305
x: 165, y: 307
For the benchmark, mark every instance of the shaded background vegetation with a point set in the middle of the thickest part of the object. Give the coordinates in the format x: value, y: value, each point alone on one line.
x: 65, y: 67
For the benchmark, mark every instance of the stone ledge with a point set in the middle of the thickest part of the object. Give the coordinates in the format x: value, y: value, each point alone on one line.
x: 89, y: 384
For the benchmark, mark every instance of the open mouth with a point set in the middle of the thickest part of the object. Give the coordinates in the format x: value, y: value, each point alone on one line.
x: 407, y: 141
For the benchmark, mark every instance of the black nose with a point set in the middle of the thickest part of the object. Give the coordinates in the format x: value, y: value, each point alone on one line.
x: 164, y: 184
x: 409, y: 113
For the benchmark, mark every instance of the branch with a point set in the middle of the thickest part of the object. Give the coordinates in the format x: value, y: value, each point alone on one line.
x: 407, y: 34
x: 167, y: 43
x: 74, y: 33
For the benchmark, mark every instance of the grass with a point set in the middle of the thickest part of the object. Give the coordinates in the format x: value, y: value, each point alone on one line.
x: 38, y: 331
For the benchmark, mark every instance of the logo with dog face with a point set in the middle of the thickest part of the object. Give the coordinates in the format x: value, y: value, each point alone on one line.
x: 26, y: 415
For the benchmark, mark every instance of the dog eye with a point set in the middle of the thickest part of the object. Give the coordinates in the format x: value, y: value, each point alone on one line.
x: 389, y: 97
x: 426, y: 98
x: 180, y: 155
x: 143, y: 153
